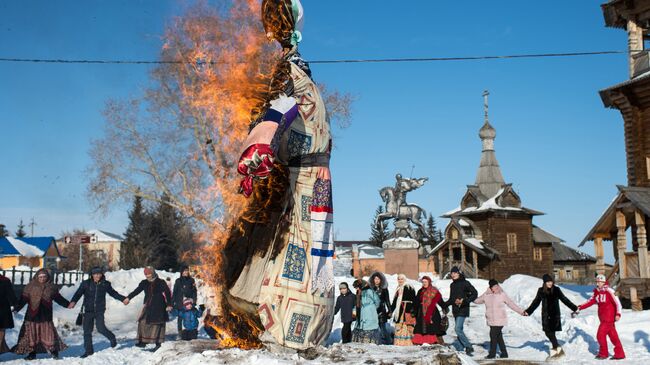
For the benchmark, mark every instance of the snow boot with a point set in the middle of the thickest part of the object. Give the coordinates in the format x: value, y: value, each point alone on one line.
x: 55, y: 355
x: 31, y: 356
x: 552, y: 354
x: 140, y: 344
x: 156, y: 348
x: 85, y: 355
x: 559, y: 353
x: 113, y: 343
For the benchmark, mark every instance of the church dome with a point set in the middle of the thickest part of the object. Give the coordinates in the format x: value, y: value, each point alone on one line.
x: 487, y: 131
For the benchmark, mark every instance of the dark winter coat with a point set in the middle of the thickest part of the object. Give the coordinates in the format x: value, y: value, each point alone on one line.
x: 463, y: 289
x: 157, y: 298
x: 7, y: 300
x: 384, y: 297
x: 345, y: 303
x: 433, y: 327
x: 550, y: 300
x: 95, y: 295
x: 408, y: 302
x: 42, y: 313
x: 184, y: 287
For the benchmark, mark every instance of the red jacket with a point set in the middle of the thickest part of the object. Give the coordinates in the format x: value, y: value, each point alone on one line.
x: 608, y: 304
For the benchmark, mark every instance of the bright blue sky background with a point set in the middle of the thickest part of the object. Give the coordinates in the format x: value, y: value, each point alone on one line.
x: 556, y: 143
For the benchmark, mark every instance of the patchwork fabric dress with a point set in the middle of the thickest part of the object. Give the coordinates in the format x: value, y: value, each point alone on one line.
x: 294, y: 289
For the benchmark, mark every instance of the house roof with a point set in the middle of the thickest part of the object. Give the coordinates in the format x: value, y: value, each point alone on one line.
x: 541, y: 236
x: 26, y: 246
x: 639, y: 197
x: 490, y: 205
x: 562, y: 252
x: 103, y: 236
x: 366, y: 251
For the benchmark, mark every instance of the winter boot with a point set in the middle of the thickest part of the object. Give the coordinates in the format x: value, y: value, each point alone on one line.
x: 156, y: 348
x: 86, y: 354
x: 55, y: 355
x: 140, y: 344
x: 552, y: 354
x: 113, y: 343
x: 559, y: 353
x: 30, y: 356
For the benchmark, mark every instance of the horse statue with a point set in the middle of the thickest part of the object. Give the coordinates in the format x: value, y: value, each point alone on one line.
x: 404, y: 212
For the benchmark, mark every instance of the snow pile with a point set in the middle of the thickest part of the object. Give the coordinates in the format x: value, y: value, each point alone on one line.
x: 523, y: 335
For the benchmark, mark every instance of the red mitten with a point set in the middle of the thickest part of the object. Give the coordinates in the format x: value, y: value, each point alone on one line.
x: 256, y: 161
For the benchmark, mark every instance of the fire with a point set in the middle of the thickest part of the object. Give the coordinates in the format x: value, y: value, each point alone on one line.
x: 228, y: 60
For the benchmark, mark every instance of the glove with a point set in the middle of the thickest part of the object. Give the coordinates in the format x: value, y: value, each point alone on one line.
x: 201, y: 307
x: 256, y: 161
x: 575, y: 314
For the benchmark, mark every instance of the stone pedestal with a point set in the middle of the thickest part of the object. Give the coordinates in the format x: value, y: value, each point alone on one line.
x: 401, y: 257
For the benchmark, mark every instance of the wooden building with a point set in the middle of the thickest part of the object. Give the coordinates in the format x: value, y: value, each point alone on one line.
x: 35, y: 252
x: 573, y: 266
x: 491, y: 235
x: 629, y: 211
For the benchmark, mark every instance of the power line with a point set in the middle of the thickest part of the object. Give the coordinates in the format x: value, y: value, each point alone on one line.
x: 377, y: 60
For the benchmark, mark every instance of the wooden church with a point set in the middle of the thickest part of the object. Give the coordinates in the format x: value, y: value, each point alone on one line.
x: 491, y: 235
x: 627, y: 215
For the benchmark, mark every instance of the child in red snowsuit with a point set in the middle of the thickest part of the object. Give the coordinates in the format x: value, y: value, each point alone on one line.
x: 609, y: 312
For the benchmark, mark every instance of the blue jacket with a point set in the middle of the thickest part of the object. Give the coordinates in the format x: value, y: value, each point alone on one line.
x: 190, y: 317
x: 368, y: 320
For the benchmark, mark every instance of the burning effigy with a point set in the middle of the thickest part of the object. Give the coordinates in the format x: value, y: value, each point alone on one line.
x: 275, y: 270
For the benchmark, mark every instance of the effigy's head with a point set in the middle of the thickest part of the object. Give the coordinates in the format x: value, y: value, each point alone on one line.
x: 282, y: 20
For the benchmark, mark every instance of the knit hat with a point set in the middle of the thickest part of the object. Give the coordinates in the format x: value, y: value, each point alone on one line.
x: 455, y: 269
x: 601, y: 277
x: 492, y: 283
x: 96, y: 270
x: 187, y: 301
x: 546, y: 278
x: 149, y: 270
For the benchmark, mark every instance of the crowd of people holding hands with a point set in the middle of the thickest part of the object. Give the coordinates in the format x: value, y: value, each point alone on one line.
x: 39, y: 335
x: 419, y: 317
x: 422, y: 317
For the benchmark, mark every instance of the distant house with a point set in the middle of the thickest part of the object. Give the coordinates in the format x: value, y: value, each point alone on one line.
x: 573, y: 266
x: 103, y: 245
x: 36, y: 252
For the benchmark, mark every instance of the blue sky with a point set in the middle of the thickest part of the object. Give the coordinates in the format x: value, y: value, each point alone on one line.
x: 561, y: 149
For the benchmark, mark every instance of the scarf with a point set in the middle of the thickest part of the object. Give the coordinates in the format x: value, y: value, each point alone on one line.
x: 400, y: 293
x: 429, y: 296
x: 37, y: 292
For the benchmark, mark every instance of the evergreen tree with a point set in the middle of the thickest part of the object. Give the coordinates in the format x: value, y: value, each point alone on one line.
x: 134, y: 248
x: 378, y: 236
x: 20, y: 232
x: 164, y: 228
x: 439, y: 236
x: 3, y: 231
x: 431, y: 230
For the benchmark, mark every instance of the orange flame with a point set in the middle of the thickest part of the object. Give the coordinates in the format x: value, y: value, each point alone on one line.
x: 228, y: 57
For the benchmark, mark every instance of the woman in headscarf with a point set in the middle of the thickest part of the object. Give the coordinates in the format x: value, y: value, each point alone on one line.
x: 366, y: 329
x: 154, y: 316
x: 7, y: 300
x: 380, y: 286
x: 427, y: 316
x: 279, y: 252
x: 38, y: 334
x: 402, y: 312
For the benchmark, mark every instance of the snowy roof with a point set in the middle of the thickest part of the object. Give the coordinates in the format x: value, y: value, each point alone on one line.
x: 103, y: 236
x: 490, y: 204
x: 563, y: 252
x: 474, y: 242
x: 366, y: 251
x: 27, y: 247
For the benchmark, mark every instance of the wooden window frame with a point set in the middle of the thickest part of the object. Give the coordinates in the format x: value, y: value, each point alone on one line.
x: 511, y: 242
x: 538, y: 254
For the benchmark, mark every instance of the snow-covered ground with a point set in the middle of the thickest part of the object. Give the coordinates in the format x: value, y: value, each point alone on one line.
x: 523, y: 335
